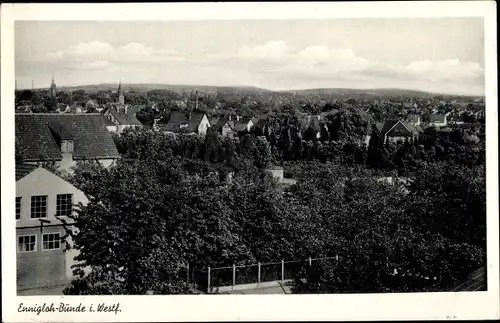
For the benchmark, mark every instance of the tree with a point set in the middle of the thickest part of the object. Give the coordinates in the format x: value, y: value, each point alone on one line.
x: 263, y: 156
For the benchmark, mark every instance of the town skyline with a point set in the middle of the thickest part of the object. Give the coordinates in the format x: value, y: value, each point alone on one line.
x: 438, y: 55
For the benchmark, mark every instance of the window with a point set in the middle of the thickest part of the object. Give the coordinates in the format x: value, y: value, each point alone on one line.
x: 26, y: 243
x: 18, y: 208
x: 39, y: 206
x: 64, y: 204
x: 67, y: 146
x: 51, y: 241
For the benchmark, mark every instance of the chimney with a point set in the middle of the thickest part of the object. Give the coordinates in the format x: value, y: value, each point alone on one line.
x: 229, y: 118
x: 237, y: 118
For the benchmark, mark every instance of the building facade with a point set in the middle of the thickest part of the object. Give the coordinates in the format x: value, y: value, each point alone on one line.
x: 42, y: 197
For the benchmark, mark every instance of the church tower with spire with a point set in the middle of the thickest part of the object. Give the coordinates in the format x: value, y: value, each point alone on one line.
x: 53, y: 94
x: 121, y: 98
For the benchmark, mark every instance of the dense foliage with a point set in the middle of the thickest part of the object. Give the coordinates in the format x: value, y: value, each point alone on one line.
x: 174, y: 205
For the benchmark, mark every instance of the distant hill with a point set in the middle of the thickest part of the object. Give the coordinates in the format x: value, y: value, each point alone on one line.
x: 256, y: 90
x: 373, y: 92
x: 170, y: 87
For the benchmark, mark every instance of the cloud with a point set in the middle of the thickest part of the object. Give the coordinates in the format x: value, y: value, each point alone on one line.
x: 101, y: 55
x: 319, y: 64
x: 273, y: 64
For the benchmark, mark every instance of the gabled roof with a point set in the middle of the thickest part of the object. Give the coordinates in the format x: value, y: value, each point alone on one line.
x: 436, y: 118
x: 314, y: 124
x: 23, y: 170
x: 123, y: 118
x: 195, y: 121
x: 242, y: 124
x: 389, y: 124
x: 60, y: 131
x: 261, y: 123
x: 412, y: 118
x: 221, y: 123
x: 378, y: 126
x: 35, y: 134
x: 23, y: 108
x: 177, y: 119
x: 214, y: 120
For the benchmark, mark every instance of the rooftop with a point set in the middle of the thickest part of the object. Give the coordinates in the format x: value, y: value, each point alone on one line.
x: 38, y: 135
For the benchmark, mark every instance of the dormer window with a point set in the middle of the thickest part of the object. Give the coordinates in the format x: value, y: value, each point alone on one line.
x: 67, y: 146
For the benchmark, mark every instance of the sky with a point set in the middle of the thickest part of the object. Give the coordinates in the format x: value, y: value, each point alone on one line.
x: 443, y: 55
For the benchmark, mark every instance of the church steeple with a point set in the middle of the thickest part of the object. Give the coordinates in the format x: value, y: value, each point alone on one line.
x: 121, y: 98
x: 53, y: 94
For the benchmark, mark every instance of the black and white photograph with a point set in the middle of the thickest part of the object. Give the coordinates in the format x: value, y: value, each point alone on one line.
x: 332, y: 156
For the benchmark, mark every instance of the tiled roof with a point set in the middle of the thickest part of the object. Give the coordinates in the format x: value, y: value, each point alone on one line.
x: 23, y: 170
x: 379, y: 126
x: 37, y: 135
x: 123, y: 118
x: 436, y: 118
x: 221, y: 122
x: 389, y: 124
x: 261, y: 123
x: 242, y: 124
x: 214, y: 120
x: 177, y: 119
x: 195, y: 121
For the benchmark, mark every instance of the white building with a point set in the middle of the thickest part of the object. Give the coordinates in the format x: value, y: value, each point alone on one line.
x: 41, y: 197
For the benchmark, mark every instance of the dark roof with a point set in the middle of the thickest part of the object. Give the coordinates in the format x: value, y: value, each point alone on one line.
x: 35, y: 135
x: 60, y: 131
x: 314, y: 124
x: 412, y: 118
x: 242, y: 124
x: 261, y: 123
x: 123, y: 118
x: 436, y: 117
x: 23, y: 108
x: 389, y: 124
x: 195, y: 121
x: 476, y: 282
x: 221, y: 124
x: 23, y: 170
x: 214, y: 120
x: 177, y: 119
x: 379, y: 126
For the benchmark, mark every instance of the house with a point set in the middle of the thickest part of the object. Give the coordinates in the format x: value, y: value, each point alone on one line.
x: 62, y: 107
x: 74, y: 108
x: 24, y: 109
x: 41, y: 199
x: 194, y: 123
x: 396, y: 130
x: 414, y: 119
x: 121, y: 117
x: 64, y: 139
x: 437, y: 120
x: 262, y: 128
x: 242, y: 124
x: 224, y: 127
